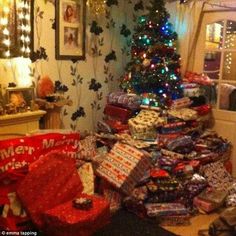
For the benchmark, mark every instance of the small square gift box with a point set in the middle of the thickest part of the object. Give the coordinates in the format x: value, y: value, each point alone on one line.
x: 82, y: 216
x: 123, y: 167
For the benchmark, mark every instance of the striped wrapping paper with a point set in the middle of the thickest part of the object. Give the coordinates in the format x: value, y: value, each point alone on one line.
x: 123, y: 167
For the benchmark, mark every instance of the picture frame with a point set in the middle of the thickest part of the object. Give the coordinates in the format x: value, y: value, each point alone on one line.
x: 19, y: 94
x: 70, y: 29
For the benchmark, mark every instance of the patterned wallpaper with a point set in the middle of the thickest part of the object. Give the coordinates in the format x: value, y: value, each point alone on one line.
x: 108, y: 38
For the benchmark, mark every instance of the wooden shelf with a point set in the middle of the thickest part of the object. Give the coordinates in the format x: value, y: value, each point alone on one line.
x: 20, y: 123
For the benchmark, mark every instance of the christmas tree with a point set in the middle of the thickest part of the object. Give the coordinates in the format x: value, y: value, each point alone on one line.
x: 155, y: 66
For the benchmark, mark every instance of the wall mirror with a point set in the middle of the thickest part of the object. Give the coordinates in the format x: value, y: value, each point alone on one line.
x: 16, y: 18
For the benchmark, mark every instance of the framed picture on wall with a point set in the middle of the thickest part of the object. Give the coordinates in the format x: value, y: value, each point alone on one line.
x: 70, y: 29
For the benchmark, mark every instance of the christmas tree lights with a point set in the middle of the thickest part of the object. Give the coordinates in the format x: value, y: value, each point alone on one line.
x: 154, y: 69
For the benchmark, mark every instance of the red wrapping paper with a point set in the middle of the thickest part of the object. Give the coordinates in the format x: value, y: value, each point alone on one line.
x: 65, y: 220
x: 202, y: 110
x: 118, y: 113
x: 204, y: 205
x: 54, y: 180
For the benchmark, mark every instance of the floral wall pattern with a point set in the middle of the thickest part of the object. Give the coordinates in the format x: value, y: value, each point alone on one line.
x: 86, y: 83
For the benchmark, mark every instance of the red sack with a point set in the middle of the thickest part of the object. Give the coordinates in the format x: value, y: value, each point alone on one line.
x: 65, y: 143
x: 19, y: 152
x: 16, y: 153
x: 53, y: 181
x: 66, y: 220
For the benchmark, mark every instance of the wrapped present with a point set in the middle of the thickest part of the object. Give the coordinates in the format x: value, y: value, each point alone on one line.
x: 170, y: 128
x: 165, y: 209
x: 87, y: 149
x: 201, y: 79
x: 180, y: 143
x: 126, y: 138
x: 181, y: 103
x: 172, y: 154
x: 117, y: 113
x: 53, y: 180
x: 213, y: 195
x: 140, y: 193
x: 143, y: 126
x: 68, y: 220
x: 167, y: 184
x: 192, y: 90
x: 163, y: 139
x: 130, y: 101
x: 123, y: 167
x: 203, y: 110
x: 157, y: 173
x: 116, y: 125
x: 111, y: 195
x: 103, y: 127
x: 194, y: 186
x: 217, y: 176
x: 185, y: 114
x: 139, y: 131
x: 167, y: 161
x: 204, y: 205
x: 231, y: 200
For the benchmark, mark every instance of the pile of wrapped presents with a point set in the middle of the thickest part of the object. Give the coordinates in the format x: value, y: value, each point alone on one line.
x: 156, y: 163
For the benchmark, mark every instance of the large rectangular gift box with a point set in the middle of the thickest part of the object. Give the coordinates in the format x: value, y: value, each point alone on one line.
x: 66, y: 220
x: 123, y: 167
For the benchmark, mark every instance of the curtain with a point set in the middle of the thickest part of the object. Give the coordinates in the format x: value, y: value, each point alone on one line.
x: 187, y: 24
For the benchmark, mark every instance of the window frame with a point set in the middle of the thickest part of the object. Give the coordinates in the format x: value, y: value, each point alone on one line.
x: 223, y: 50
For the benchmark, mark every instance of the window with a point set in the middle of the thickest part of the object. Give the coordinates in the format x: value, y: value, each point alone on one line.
x: 220, y: 63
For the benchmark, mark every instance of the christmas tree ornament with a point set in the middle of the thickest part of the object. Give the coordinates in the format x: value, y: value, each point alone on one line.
x: 146, y: 62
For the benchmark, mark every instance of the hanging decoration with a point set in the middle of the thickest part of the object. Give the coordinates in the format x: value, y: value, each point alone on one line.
x: 15, y: 28
x: 97, y: 6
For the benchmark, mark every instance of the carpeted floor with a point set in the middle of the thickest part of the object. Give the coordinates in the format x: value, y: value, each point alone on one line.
x: 124, y: 223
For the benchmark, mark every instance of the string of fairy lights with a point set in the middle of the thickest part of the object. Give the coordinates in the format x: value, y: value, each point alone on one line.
x: 97, y: 7
x: 22, y: 14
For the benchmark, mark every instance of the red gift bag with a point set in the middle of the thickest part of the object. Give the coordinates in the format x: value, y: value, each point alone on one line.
x: 54, y: 180
x: 66, y: 220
